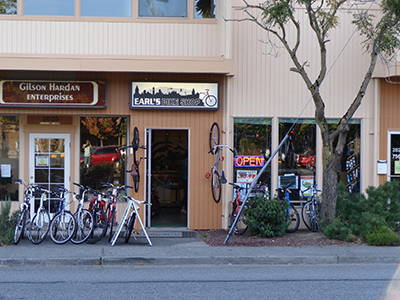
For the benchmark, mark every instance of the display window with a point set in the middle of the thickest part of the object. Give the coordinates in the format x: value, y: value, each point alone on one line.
x: 297, y: 157
x: 9, y: 157
x: 102, y: 159
x: 252, y: 141
x: 349, y: 172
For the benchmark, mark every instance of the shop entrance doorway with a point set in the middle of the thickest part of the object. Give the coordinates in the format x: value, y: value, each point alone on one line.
x: 49, y: 166
x: 167, y: 177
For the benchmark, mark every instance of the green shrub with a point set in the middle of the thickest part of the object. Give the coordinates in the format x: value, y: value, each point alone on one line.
x: 383, y: 236
x: 7, y: 223
x: 338, y: 230
x: 266, y: 218
x: 360, y: 215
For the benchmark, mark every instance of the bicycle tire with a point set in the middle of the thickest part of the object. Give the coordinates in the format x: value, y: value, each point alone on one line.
x: 241, y: 226
x: 20, y: 226
x: 129, y: 227
x: 216, y: 186
x: 84, y: 220
x: 39, y: 227
x: 136, y: 177
x: 62, y: 227
x: 136, y: 140
x: 100, y: 224
x: 305, y: 214
x: 214, y: 137
x: 112, y: 222
x: 211, y: 100
x: 293, y: 218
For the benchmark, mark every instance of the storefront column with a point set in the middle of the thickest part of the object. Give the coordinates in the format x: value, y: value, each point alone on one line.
x: 274, y: 145
x: 375, y: 132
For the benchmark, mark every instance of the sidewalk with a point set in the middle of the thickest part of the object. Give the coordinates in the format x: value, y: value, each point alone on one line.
x: 183, y: 251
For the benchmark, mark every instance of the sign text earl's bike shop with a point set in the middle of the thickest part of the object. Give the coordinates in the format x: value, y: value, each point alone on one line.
x: 49, y: 93
x: 174, y: 95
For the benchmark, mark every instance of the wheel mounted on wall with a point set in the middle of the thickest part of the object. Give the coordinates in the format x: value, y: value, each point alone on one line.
x: 214, y: 137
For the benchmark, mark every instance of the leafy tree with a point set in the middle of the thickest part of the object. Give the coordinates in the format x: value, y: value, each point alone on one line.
x: 381, y: 33
x: 104, y: 128
x: 8, y: 7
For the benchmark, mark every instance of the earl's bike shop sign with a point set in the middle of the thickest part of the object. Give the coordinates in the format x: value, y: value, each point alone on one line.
x: 50, y: 93
x: 174, y: 95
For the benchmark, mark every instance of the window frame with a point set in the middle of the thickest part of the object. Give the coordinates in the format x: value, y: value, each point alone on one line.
x: 190, y: 18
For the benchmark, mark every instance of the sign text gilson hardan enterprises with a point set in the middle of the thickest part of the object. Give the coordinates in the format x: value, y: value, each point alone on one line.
x: 52, y: 93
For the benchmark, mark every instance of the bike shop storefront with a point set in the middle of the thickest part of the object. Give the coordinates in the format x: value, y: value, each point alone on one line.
x: 174, y: 119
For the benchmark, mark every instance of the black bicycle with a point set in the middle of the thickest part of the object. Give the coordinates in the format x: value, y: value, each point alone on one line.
x: 310, y: 210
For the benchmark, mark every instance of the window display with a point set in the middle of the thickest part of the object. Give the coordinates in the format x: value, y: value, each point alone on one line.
x: 9, y: 157
x: 252, y: 142
x: 102, y: 160
x: 350, y: 167
x: 297, y: 156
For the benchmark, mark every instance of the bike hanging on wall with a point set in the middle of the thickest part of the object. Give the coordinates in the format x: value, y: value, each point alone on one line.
x: 216, y: 174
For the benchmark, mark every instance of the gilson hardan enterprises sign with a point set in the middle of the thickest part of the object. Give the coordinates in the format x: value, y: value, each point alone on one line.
x: 48, y: 93
x: 174, y: 95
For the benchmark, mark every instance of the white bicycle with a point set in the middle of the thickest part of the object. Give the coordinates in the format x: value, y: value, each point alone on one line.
x: 131, y: 214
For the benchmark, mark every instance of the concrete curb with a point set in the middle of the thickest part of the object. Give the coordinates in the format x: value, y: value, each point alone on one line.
x: 218, y: 260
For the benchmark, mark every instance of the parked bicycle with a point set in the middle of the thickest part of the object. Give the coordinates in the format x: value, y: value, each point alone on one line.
x: 217, y: 174
x: 129, y: 218
x: 84, y: 219
x: 310, y: 210
x: 97, y: 207
x: 63, y: 224
x: 40, y: 224
x: 292, y: 215
x: 259, y: 191
x: 111, y: 207
x: 23, y: 218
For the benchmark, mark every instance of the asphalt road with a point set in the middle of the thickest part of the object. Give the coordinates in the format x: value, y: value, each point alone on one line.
x: 347, y: 281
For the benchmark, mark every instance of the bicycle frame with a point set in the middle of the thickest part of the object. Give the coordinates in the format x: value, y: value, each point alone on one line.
x: 131, y: 208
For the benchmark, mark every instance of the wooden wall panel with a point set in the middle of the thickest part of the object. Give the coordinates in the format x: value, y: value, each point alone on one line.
x: 204, y: 213
x: 388, y: 116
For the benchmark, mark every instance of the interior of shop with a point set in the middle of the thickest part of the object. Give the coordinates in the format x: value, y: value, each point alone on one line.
x: 169, y: 178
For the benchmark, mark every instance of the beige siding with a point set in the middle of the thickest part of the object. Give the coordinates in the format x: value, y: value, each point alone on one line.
x: 264, y: 86
x: 111, y: 38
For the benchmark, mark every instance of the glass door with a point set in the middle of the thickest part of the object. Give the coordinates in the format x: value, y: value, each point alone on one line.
x: 49, y: 158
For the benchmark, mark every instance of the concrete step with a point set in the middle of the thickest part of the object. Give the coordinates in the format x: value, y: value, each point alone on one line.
x: 169, y: 232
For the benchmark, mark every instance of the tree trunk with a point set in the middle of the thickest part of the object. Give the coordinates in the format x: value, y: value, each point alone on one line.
x: 330, y: 162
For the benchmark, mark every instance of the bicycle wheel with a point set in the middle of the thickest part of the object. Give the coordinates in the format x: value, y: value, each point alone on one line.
x: 135, y: 176
x: 62, y: 227
x: 84, y: 226
x: 293, y: 218
x: 100, y: 224
x: 135, y: 141
x: 129, y: 227
x: 211, y: 100
x: 214, y: 138
x: 20, y: 226
x: 111, y: 218
x: 241, y: 226
x: 39, y: 227
x: 305, y: 214
x: 216, y: 186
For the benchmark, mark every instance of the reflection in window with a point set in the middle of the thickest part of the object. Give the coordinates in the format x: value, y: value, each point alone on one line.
x: 101, y: 159
x: 204, y: 9
x: 106, y: 8
x: 350, y: 165
x: 297, y: 155
x: 9, y: 157
x: 252, y: 140
x: 49, y: 7
x: 162, y: 8
x: 8, y: 7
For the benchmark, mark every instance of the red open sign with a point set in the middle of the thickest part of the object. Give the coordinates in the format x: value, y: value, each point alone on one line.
x: 249, y: 161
